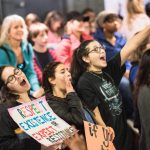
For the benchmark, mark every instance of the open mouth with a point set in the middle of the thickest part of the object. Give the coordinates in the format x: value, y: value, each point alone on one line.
x: 102, y: 58
x: 23, y: 82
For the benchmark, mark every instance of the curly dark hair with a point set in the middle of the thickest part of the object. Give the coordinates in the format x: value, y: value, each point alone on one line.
x: 49, y: 71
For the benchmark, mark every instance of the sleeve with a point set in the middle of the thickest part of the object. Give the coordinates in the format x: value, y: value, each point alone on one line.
x: 74, y: 113
x: 54, y: 55
x: 132, y: 74
x: 64, y: 51
x: 87, y: 95
x: 37, y: 70
x: 4, y: 60
x: 144, y: 111
x: 128, y: 65
x: 114, y: 68
x: 29, y: 71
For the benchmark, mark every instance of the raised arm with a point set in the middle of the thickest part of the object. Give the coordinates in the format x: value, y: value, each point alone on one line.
x: 133, y: 43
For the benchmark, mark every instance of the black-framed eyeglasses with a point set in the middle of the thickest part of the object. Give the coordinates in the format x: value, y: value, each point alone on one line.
x: 11, y: 79
x: 96, y: 49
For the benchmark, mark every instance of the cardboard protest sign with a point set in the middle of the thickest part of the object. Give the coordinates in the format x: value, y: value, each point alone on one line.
x: 98, y: 137
x: 39, y: 121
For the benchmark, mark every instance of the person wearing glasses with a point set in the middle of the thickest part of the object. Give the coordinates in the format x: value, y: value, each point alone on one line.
x: 14, y: 88
x: 107, y: 33
x: 96, y: 82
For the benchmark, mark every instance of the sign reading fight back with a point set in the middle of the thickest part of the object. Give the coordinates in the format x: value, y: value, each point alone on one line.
x: 39, y: 121
x: 98, y: 137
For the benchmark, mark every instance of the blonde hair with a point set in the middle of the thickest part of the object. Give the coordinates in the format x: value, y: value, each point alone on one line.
x: 36, y: 28
x: 6, y: 25
x: 134, y: 7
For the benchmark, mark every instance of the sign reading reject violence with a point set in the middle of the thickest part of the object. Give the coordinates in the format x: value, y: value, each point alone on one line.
x: 39, y: 121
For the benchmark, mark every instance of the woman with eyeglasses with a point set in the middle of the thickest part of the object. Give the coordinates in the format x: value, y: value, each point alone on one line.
x: 16, y: 51
x: 97, y: 81
x: 14, y: 88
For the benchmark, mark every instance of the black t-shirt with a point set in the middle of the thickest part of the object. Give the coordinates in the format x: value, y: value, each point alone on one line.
x: 43, y: 58
x: 102, y: 90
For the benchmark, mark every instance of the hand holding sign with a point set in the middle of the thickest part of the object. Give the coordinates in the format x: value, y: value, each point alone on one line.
x: 76, y: 142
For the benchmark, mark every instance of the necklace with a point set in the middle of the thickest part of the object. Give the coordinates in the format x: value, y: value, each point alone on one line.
x: 100, y: 76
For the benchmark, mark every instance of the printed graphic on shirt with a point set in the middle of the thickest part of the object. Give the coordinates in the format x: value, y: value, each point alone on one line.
x: 111, y: 97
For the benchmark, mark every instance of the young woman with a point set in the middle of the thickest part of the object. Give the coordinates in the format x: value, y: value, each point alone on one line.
x: 14, y: 88
x: 61, y: 96
x: 15, y: 51
x: 97, y: 82
x: 142, y: 99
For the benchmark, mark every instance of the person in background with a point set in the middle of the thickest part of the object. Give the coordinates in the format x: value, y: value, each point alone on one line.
x: 86, y: 25
x: 16, y: 51
x: 135, y: 20
x: 72, y: 38
x: 142, y: 100
x: 88, y: 12
x: 31, y: 18
x: 97, y: 82
x: 38, y: 35
x: 14, y: 88
x: 54, y: 22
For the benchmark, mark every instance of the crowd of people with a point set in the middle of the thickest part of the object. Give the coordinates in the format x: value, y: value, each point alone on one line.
x: 90, y: 67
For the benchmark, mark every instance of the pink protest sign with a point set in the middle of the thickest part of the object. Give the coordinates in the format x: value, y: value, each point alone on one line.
x: 98, y: 137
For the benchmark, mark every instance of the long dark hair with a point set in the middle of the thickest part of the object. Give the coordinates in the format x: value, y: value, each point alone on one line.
x: 143, y: 74
x: 6, y: 96
x: 49, y: 72
x: 78, y: 65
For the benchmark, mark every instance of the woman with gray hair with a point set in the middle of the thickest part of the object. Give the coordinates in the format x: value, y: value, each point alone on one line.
x: 15, y: 50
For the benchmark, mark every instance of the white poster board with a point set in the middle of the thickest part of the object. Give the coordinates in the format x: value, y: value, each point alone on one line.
x: 39, y: 121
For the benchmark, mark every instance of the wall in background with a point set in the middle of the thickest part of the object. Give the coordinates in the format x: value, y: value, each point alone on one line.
x: 41, y: 7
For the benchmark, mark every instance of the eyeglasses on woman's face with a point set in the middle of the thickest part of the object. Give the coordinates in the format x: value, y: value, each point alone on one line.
x: 12, y: 78
x: 96, y: 49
